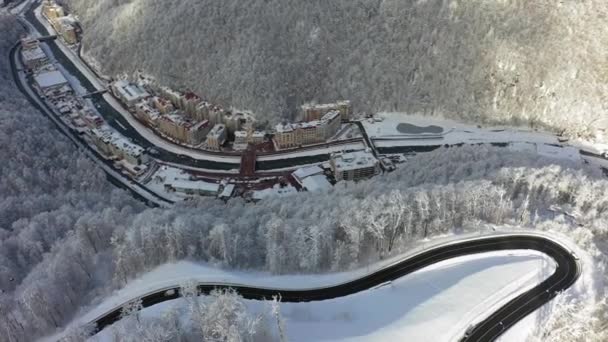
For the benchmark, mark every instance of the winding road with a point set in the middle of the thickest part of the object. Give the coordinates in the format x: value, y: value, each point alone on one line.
x: 567, y: 272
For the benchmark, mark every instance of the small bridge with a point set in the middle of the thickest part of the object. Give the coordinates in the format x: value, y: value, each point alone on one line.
x: 102, y: 91
x: 46, y: 38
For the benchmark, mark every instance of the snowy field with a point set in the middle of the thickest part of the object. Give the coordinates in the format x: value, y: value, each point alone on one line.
x: 385, y: 134
x: 433, y: 304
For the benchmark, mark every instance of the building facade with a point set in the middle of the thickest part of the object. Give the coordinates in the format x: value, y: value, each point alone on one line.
x: 216, y: 137
x: 292, y: 135
x: 183, y: 129
x: 147, y: 113
x: 311, y: 112
x: 31, y: 54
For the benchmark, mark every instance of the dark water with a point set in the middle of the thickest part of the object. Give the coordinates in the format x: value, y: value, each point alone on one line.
x: 406, y: 128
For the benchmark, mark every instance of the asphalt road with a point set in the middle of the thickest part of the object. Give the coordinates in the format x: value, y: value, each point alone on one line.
x: 566, y: 273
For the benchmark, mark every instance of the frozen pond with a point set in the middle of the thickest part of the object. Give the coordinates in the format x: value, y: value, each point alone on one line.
x: 406, y: 128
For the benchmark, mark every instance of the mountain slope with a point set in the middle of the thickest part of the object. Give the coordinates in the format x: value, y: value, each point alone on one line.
x: 508, y: 61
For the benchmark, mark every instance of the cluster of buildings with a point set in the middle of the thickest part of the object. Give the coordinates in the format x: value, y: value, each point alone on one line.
x: 76, y: 113
x: 65, y: 25
x: 32, y: 55
x: 114, y: 145
x: 321, y: 122
x: 292, y: 135
x: 185, y: 118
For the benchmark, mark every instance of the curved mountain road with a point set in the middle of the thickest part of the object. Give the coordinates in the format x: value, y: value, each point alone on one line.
x: 567, y: 272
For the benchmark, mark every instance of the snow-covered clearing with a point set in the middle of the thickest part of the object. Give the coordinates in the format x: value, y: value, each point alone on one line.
x: 433, y: 304
x: 385, y: 134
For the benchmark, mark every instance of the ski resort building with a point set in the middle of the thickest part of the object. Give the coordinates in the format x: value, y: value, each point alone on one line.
x: 216, y: 137
x: 147, y: 114
x: 128, y: 93
x: 31, y: 54
x: 354, y: 166
x: 311, y: 112
x: 50, y: 80
x: 112, y: 144
x: 292, y: 135
x: 183, y: 129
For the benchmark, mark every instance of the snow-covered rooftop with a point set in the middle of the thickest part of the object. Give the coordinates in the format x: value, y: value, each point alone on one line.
x: 129, y: 91
x: 33, y: 54
x: 307, y: 171
x: 217, y: 130
x: 50, y: 79
x: 316, y: 183
x: 353, y: 160
x: 227, y: 191
x: 193, y: 184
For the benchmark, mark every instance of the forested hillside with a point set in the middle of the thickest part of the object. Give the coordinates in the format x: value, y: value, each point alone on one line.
x: 69, y: 238
x: 511, y: 61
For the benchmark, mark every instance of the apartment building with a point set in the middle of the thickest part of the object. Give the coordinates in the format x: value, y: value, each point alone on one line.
x: 291, y: 135
x: 183, y: 129
x: 52, y: 10
x: 112, y: 144
x: 147, y: 113
x: 216, y: 114
x: 354, y: 166
x: 163, y: 105
x: 31, y: 54
x: 244, y: 138
x: 188, y: 103
x: 172, y: 95
x: 216, y: 137
x: 234, y: 121
x: 311, y: 112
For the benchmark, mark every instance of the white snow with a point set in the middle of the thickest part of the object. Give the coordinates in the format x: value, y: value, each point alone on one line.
x: 275, y: 191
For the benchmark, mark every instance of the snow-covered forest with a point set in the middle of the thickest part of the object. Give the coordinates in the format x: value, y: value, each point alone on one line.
x: 519, y: 62
x: 68, y: 237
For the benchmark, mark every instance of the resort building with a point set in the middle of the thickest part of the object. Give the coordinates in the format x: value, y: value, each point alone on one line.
x: 216, y: 137
x: 31, y: 54
x: 188, y: 103
x: 49, y: 81
x: 292, y: 135
x: 52, y: 10
x: 128, y: 93
x: 163, y: 105
x: 112, y: 144
x: 216, y: 115
x: 66, y: 27
x: 193, y: 187
x: 244, y: 138
x: 311, y: 178
x: 171, y: 95
x: 311, y: 112
x: 183, y: 129
x: 354, y: 166
x: 147, y: 113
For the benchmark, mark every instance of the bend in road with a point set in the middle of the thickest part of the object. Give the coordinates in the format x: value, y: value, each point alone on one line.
x: 566, y: 273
